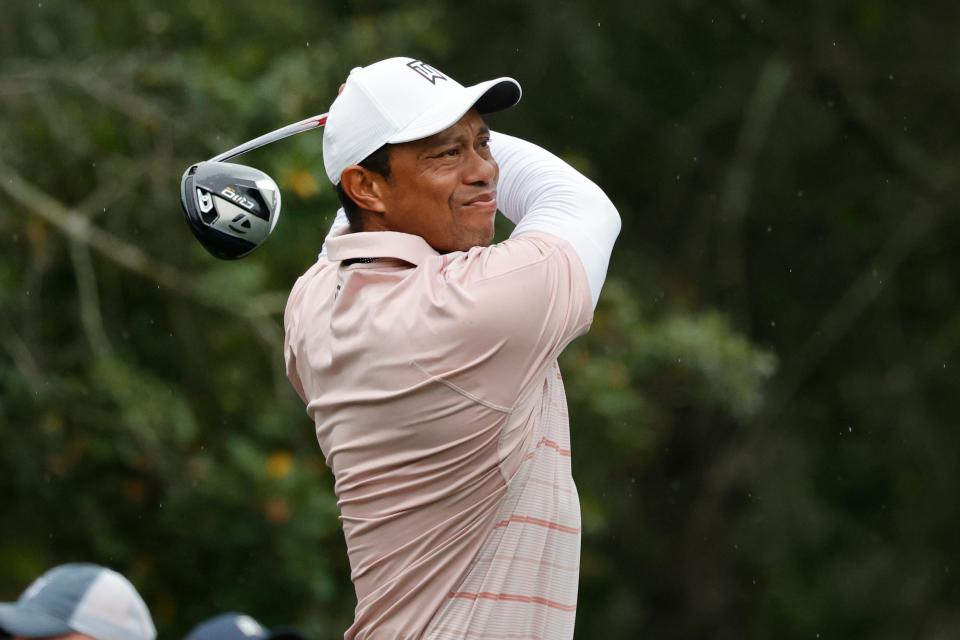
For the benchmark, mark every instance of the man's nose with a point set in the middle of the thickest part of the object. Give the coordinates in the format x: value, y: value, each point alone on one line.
x: 480, y: 170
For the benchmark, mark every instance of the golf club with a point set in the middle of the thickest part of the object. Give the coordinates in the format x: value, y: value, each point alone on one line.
x: 232, y: 208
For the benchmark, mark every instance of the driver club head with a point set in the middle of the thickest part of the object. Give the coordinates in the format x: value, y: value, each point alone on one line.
x: 231, y: 208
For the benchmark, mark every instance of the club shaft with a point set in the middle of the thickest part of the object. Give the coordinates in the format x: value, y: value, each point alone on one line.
x: 283, y: 132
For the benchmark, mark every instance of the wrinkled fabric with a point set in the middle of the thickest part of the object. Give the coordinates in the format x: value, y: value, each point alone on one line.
x: 433, y: 384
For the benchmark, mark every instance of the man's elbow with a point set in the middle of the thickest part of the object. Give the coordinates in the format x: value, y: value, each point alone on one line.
x: 605, y: 212
x: 612, y: 217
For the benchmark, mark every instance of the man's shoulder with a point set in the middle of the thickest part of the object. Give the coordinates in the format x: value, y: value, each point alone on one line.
x: 500, y: 316
x: 519, y: 286
x: 301, y: 286
x: 520, y: 257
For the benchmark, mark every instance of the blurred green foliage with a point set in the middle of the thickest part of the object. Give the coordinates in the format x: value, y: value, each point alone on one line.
x: 763, y: 413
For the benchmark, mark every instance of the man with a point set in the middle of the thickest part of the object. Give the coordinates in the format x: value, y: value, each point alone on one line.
x: 78, y: 602
x: 427, y: 358
x: 238, y: 626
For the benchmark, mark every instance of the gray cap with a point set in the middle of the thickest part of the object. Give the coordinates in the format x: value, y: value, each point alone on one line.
x: 79, y: 598
x: 239, y: 626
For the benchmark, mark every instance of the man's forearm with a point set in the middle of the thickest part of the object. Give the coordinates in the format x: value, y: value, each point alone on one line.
x: 540, y: 192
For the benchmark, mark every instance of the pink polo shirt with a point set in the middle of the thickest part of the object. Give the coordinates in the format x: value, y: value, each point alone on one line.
x: 434, y: 386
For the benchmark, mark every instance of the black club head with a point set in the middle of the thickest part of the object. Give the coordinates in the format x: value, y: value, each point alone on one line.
x: 231, y: 208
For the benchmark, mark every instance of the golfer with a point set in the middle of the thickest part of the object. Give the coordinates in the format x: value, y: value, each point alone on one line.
x: 427, y: 357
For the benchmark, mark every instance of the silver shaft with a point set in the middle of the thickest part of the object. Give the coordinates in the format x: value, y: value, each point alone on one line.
x: 283, y: 132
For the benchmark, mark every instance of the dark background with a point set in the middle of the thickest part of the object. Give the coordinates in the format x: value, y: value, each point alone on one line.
x: 764, y: 413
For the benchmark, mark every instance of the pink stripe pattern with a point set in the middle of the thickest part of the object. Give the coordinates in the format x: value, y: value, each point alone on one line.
x: 509, y: 597
x: 523, y: 583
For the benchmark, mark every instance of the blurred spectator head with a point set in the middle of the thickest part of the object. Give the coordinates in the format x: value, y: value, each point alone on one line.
x: 237, y: 626
x: 79, y: 601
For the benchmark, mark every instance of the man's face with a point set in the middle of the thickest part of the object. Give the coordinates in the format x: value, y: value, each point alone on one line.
x: 444, y: 188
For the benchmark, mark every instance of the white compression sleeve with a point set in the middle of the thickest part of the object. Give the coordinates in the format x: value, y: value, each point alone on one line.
x: 540, y: 192
x: 339, y: 227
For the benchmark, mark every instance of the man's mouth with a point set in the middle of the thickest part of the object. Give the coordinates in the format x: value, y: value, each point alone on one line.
x: 483, y: 200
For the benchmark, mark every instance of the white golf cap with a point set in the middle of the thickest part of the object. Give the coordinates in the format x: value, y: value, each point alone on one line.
x: 399, y: 100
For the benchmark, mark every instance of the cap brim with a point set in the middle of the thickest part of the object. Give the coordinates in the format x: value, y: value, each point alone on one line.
x: 487, y: 97
x: 21, y: 621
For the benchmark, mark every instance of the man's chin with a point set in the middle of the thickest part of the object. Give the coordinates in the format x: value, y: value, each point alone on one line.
x: 476, y: 238
x: 486, y: 239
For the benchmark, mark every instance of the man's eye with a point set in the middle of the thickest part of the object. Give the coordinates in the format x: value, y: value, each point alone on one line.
x: 485, y: 142
x: 450, y: 153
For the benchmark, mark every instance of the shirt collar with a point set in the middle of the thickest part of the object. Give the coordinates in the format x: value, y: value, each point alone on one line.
x: 380, y: 244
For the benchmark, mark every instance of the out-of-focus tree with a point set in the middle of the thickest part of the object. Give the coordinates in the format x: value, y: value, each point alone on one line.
x: 762, y: 413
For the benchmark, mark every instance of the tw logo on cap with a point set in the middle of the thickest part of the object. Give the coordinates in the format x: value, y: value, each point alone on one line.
x: 426, y: 71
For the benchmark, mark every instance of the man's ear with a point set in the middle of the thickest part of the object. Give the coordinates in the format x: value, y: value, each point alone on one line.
x: 364, y: 187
